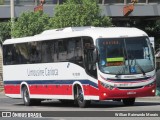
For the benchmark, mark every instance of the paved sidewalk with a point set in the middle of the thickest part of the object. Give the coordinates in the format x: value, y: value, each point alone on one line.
x: 155, y: 98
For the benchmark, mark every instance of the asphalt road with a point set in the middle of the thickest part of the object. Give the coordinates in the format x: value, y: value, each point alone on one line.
x: 151, y: 105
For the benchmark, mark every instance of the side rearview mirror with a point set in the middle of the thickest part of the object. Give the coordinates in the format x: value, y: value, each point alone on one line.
x: 95, y: 56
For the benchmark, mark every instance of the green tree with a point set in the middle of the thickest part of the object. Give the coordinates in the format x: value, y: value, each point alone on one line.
x: 79, y: 13
x: 30, y: 23
x: 151, y: 27
x: 5, y: 31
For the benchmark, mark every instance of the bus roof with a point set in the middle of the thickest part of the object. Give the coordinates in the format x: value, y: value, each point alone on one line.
x: 94, y: 32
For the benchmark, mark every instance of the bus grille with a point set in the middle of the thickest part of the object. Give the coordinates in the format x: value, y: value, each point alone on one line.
x: 130, y: 87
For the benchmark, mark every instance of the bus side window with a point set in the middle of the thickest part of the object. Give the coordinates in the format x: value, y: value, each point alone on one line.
x: 51, y: 47
x: 47, y: 51
x: 56, y: 51
x: 8, y: 54
x: 78, y: 50
x: 23, y: 53
x: 62, y: 45
x: 11, y: 55
x: 74, y: 51
x: 71, y: 50
x: 5, y: 55
x: 35, y: 52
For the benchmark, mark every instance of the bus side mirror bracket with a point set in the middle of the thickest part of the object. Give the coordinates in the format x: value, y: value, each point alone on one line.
x: 95, y: 55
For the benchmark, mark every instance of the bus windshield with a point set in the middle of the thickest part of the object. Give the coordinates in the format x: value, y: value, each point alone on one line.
x: 125, y: 55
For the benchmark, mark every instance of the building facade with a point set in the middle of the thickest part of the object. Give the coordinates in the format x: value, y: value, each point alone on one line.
x: 111, y: 8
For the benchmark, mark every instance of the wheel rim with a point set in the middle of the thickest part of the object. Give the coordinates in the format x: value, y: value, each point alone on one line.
x: 26, y: 95
x: 80, y: 95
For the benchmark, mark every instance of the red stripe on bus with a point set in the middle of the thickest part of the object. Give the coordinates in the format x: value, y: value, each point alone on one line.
x: 12, y: 89
x: 51, y: 89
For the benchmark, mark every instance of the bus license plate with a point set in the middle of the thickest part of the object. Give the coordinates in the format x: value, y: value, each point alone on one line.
x: 123, y: 85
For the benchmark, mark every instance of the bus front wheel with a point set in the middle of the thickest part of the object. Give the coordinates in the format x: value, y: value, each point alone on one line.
x: 80, y: 98
x: 129, y: 101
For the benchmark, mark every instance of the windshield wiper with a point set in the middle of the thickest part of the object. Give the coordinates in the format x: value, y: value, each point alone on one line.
x: 119, y: 72
x: 126, y: 57
x: 141, y: 69
x: 133, y: 59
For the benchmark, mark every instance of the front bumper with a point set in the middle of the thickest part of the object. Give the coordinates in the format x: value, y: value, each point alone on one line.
x: 116, y: 93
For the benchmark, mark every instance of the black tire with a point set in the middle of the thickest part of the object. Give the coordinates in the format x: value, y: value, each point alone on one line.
x: 129, y: 101
x: 80, y: 98
x: 26, y: 98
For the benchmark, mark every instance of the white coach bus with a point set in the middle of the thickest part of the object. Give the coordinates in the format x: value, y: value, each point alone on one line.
x: 80, y: 64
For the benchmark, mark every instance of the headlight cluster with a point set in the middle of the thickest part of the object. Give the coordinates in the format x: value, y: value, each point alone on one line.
x: 106, y: 85
x: 150, y: 84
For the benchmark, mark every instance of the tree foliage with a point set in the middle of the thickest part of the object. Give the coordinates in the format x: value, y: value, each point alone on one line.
x: 71, y: 13
x: 79, y: 13
x: 5, y: 30
x: 151, y: 27
x: 30, y: 23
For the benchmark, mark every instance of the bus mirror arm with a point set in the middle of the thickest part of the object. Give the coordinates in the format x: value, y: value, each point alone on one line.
x: 90, y: 48
x: 95, y: 56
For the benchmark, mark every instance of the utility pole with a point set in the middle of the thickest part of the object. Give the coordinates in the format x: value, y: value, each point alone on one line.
x: 12, y: 15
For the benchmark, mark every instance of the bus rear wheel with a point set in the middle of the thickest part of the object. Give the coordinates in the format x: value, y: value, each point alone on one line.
x: 80, y: 98
x: 129, y: 101
x: 26, y: 98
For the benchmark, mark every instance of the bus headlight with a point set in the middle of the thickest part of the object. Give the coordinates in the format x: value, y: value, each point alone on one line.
x: 106, y: 85
x: 150, y: 84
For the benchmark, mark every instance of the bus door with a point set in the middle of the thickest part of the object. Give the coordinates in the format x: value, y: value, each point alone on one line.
x: 89, y: 61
